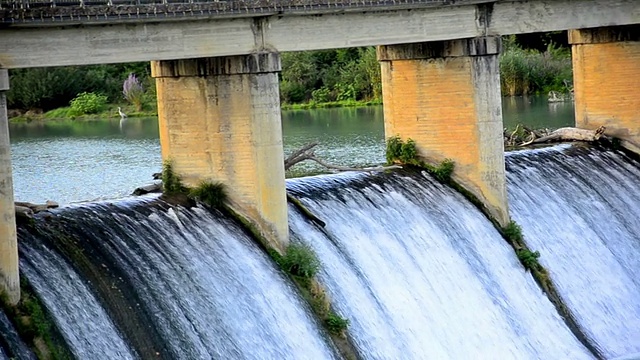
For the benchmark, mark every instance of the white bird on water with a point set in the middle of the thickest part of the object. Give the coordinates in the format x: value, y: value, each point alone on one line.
x: 122, y: 115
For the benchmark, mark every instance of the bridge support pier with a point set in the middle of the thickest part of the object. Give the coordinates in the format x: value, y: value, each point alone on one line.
x: 9, y: 276
x: 446, y: 97
x: 606, y: 69
x: 220, y: 121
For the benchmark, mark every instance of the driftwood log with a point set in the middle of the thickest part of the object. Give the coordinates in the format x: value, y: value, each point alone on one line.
x: 523, y: 136
x: 568, y: 134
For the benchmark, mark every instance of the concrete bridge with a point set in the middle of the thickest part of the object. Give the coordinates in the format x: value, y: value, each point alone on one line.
x: 216, y: 66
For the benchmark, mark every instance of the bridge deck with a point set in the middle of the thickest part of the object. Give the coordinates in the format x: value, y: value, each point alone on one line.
x: 39, y: 12
x: 42, y: 33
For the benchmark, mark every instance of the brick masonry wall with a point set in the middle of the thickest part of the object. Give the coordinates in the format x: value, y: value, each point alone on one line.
x: 606, y: 83
x: 451, y: 108
x: 227, y: 128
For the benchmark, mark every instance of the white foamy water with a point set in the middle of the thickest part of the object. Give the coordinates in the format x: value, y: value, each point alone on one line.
x: 580, y: 208
x: 83, y: 323
x: 211, y: 291
x: 421, y: 274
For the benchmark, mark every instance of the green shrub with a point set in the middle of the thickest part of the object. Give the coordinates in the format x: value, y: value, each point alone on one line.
x: 444, y: 170
x: 300, y: 260
x: 321, y: 95
x: 88, y: 103
x: 171, y: 182
x: 345, y: 91
x: 409, y: 152
x: 335, y: 323
x: 405, y: 152
x: 212, y: 194
x: 513, y: 232
x: 394, y: 148
x: 528, y: 258
x: 292, y: 92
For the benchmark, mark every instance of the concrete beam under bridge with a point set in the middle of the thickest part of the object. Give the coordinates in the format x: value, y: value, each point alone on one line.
x: 9, y: 278
x: 446, y: 97
x: 93, y: 42
x: 606, y: 69
x: 220, y: 121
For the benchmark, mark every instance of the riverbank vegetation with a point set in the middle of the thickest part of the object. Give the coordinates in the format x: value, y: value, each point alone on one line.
x: 527, y: 71
x: 309, y: 79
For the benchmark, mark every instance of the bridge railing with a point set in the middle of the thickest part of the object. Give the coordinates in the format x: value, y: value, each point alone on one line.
x: 29, y: 4
x: 60, y: 11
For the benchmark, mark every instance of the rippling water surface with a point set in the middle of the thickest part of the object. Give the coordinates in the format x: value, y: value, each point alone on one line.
x: 73, y: 161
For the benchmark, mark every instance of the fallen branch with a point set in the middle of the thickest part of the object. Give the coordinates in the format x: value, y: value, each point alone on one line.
x: 569, y: 134
x: 307, y: 153
x: 304, y: 153
x: 299, y: 155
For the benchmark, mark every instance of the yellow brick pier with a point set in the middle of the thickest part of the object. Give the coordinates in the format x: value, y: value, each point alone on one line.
x: 220, y: 120
x: 446, y: 97
x: 606, y: 78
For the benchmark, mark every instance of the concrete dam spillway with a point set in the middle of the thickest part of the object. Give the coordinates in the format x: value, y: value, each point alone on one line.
x: 418, y: 270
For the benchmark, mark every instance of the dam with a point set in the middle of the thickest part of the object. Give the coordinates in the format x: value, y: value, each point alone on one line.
x: 418, y: 270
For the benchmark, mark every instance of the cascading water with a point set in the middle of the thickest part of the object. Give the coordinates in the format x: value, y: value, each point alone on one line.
x: 419, y: 271
x: 81, y: 320
x: 11, y: 346
x: 422, y: 274
x: 580, y: 207
x: 203, y: 285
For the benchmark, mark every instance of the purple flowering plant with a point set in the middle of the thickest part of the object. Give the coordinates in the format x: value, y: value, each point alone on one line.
x: 133, y: 91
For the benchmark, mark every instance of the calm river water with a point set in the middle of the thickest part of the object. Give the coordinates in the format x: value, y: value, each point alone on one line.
x: 78, y: 161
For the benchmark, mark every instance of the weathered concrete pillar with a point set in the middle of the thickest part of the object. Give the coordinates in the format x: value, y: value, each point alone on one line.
x: 606, y: 69
x: 220, y: 120
x: 446, y: 97
x: 9, y: 277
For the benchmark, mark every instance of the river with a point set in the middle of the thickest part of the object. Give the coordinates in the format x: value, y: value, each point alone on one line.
x: 73, y: 161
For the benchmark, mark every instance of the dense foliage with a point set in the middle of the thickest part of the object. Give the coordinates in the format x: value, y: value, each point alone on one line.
x: 330, y: 75
x: 525, y: 71
x: 88, y: 103
x: 341, y: 76
x: 51, y: 88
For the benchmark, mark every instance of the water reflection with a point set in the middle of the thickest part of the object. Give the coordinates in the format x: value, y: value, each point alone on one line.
x: 83, y: 160
x: 536, y: 112
x: 139, y: 128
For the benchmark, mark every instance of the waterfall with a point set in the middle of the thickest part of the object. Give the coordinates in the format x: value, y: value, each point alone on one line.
x: 579, y: 207
x: 11, y: 346
x: 417, y: 270
x: 82, y: 321
x: 204, y: 286
x: 422, y: 274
